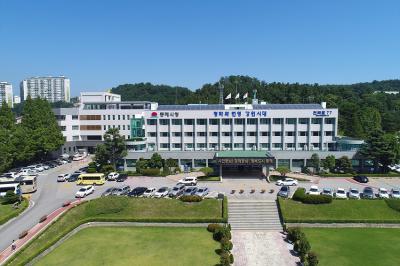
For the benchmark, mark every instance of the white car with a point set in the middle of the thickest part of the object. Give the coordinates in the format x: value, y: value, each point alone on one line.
x: 28, y: 171
x: 84, y: 191
x: 383, y: 193
x: 313, y: 190
x: 149, y: 192
x: 62, y: 177
x: 341, y: 193
x: 188, y: 181
x: 37, y: 167
x: 354, y: 193
x: 112, y: 176
x: 395, y: 193
x: 287, y: 182
x: 214, y: 195
x: 161, y: 192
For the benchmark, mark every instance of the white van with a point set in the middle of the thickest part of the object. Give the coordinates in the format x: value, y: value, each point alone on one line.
x: 188, y: 181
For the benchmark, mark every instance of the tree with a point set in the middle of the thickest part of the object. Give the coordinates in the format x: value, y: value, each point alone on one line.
x: 140, y: 165
x: 155, y: 161
x: 329, y: 162
x: 171, y: 163
x: 283, y: 170
x: 112, y: 149
x: 7, y: 137
x: 207, y: 171
x: 344, y: 164
x: 11, y: 197
x: 381, y: 148
x: 312, y: 259
x: 315, y: 162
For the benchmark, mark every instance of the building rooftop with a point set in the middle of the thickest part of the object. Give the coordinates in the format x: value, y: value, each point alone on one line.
x: 223, y: 106
x: 243, y: 154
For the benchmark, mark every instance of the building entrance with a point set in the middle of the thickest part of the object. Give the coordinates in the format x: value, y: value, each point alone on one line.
x: 244, y: 164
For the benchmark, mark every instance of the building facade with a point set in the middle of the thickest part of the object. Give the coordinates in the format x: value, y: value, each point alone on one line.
x: 53, y: 89
x: 6, y: 93
x: 193, y: 134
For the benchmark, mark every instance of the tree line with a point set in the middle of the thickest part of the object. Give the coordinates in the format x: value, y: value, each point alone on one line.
x: 363, y: 107
x: 31, y: 140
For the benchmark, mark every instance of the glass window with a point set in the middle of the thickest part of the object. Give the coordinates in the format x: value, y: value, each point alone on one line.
x: 303, y: 133
x: 264, y: 145
x: 239, y: 121
x: 226, y: 121
x: 189, y: 122
x: 119, y: 117
x: 265, y: 121
x: 177, y: 122
x: 277, y: 145
x: 238, y: 145
x: 315, y: 133
x: 252, y: 121
x: 164, y: 134
x: 214, y: 134
x: 330, y: 121
x: 277, y: 121
x: 290, y: 121
x: 303, y: 121
x: 227, y: 145
x: 329, y: 133
x: 213, y: 121
x: 176, y: 134
x: 151, y: 122
x: 188, y: 134
x: 75, y: 117
x: 201, y: 145
x: 251, y: 133
x: 289, y: 133
x: 264, y: 133
x: 251, y: 146
x: 77, y: 128
x: 151, y: 134
x: 177, y: 145
x: 239, y: 133
x: 164, y: 122
x: 201, y: 121
x: 201, y: 134
x: 164, y: 145
x: 316, y: 121
x: 277, y: 133
x: 226, y: 134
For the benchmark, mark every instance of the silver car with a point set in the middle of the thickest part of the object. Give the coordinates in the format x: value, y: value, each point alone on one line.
x: 202, y: 192
x: 189, y: 191
x: 177, y: 190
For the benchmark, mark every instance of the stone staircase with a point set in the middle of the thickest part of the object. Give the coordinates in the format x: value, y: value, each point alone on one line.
x: 253, y: 215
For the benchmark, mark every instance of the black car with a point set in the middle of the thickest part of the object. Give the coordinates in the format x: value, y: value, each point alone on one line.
x: 73, y: 177
x: 137, y: 191
x: 121, y: 177
x: 83, y: 169
x: 368, y: 193
x: 109, y: 191
x: 361, y: 178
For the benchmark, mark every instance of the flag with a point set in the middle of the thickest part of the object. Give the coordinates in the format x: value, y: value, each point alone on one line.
x: 229, y: 96
x: 237, y: 96
x: 245, y: 95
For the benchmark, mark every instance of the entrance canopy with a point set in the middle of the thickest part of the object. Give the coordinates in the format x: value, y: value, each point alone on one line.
x: 244, y: 158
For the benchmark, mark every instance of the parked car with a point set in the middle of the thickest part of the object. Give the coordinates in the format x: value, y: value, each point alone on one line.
x: 121, y: 178
x: 37, y: 167
x: 112, y: 176
x: 383, y: 193
x: 83, y: 169
x: 122, y: 191
x: 27, y: 171
x: 215, y: 195
x: 368, y: 193
x: 84, y: 191
x: 284, y: 192
x: 202, y: 192
x: 177, y: 190
x: 188, y: 181
x: 189, y: 191
x: 354, y: 193
x: 73, y: 177
x: 45, y: 166
x: 361, y: 178
x: 161, y: 192
x: 62, y: 177
x: 137, y: 191
x: 341, y: 193
x: 287, y: 182
x: 108, y: 192
x: 395, y: 193
x: 313, y: 190
x: 149, y: 192
x: 327, y: 192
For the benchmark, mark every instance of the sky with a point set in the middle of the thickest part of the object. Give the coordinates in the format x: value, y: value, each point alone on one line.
x: 101, y: 44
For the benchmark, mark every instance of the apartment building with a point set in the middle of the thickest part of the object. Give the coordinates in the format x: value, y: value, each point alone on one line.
x: 6, y: 93
x: 53, y: 89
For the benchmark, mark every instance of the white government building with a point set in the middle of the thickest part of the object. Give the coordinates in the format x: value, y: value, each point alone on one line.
x: 54, y: 89
x: 233, y: 136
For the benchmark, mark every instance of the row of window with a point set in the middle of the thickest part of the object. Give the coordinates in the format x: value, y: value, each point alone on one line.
x: 241, y: 121
x: 237, y: 145
x: 123, y: 127
x: 239, y: 134
x: 117, y: 117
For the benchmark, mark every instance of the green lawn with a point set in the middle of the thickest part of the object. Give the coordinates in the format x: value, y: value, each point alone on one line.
x: 136, y: 246
x: 7, y: 212
x: 355, y: 246
x: 122, y: 209
x: 339, y: 211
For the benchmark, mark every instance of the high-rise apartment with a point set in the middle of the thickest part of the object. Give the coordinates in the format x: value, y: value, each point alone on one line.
x: 6, y: 93
x: 54, y: 89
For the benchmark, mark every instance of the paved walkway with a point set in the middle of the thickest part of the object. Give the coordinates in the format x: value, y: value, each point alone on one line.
x: 34, y: 231
x: 344, y: 225
x: 260, y: 248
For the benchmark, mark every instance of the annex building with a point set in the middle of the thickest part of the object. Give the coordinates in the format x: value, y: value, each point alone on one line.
x: 232, y: 137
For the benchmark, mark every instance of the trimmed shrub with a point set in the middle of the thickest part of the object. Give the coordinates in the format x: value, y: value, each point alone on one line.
x: 300, y: 195
x: 294, y: 234
x: 218, y: 235
x: 23, y: 234
x: 303, y: 246
x: 231, y: 258
x: 10, y: 197
x: 225, y: 259
x: 226, y: 244
x: 191, y: 198
x: 312, y: 259
x: 213, y: 227
x: 151, y: 172
x: 207, y: 171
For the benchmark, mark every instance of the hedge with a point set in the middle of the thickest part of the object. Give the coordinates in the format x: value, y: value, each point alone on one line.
x: 225, y: 210
x: 331, y: 221
x: 191, y: 198
x: 151, y: 172
x: 300, y: 195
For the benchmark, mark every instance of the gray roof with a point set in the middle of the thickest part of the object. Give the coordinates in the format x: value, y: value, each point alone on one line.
x: 221, y: 107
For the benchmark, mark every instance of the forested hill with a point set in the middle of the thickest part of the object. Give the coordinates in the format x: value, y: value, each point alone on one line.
x: 361, y: 109
x: 163, y: 94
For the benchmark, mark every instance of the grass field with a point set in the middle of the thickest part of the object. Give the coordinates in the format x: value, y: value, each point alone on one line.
x: 339, y: 211
x: 355, y: 246
x: 7, y: 211
x: 122, y: 209
x: 150, y: 246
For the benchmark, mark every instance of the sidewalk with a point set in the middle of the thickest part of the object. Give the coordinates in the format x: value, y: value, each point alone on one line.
x: 34, y: 231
